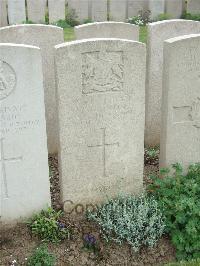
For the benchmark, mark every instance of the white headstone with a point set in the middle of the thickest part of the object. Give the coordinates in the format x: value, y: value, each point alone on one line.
x: 16, y: 11
x: 81, y: 8
x: 99, y: 10
x: 180, y: 135
x: 193, y: 6
x: 24, y: 173
x: 156, y: 7
x: 107, y: 29
x: 118, y: 10
x: 3, y: 13
x: 174, y: 8
x: 45, y: 37
x: 101, y: 90
x: 36, y: 10
x: 56, y: 10
x: 136, y: 6
x: 158, y: 32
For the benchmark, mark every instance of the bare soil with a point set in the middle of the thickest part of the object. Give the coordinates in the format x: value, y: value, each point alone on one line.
x: 16, y: 243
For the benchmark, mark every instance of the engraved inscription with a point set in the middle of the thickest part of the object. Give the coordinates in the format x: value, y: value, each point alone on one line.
x: 7, y: 80
x: 188, y: 113
x: 13, y: 119
x: 3, y: 161
x: 102, y: 71
x: 103, y: 145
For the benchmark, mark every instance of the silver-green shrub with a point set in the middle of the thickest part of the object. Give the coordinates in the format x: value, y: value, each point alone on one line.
x: 135, y: 219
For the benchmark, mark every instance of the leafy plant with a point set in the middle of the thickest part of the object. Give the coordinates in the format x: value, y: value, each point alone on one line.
x: 135, y: 219
x: 62, y: 23
x: 190, y: 16
x: 151, y: 155
x: 41, y: 257
x: 87, y: 20
x: 47, y: 226
x: 178, y: 195
x: 163, y: 16
x: 185, y: 263
x: 141, y: 19
x: 71, y: 17
x: 90, y: 243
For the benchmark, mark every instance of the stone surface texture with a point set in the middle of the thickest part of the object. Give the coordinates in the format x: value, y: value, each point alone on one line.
x: 45, y: 37
x: 180, y: 135
x: 56, y: 10
x: 135, y: 6
x: 3, y: 13
x: 101, y: 90
x: 156, y: 7
x: 99, y: 10
x: 193, y: 6
x: 174, y: 8
x: 36, y: 10
x: 118, y: 10
x: 158, y: 32
x: 109, y: 29
x: 16, y: 11
x: 24, y: 172
x: 81, y: 8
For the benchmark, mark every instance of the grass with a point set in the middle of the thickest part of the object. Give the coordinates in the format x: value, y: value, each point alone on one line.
x: 69, y: 34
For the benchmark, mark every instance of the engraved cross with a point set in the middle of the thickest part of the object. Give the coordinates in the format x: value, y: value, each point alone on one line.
x: 103, y: 146
x: 3, y: 162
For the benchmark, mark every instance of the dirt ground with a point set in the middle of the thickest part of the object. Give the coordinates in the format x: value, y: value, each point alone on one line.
x: 16, y: 244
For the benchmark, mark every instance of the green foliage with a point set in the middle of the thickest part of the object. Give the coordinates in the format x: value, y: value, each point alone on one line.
x: 141, y: 19
x: 62, y: 23
x: 90, y: 243
x: 163, y: 16
x: 135, y: 219
x: 87, y: 20
x: 41, y: 257
x: 151, y: 155
x: 71, y: 18
x: 178, y: 195
x: 28, y: 22
x: 191, y: 16
x: 184, y: 263
x: 47, y: 226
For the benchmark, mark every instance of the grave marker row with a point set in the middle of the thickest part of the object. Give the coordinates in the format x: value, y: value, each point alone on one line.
x: 95, y: 10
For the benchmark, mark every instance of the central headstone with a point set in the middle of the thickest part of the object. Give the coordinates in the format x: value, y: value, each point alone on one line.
x: 24, y: 174
x: 101, y: 88
x: 99, y: 10
x: 36, y: 10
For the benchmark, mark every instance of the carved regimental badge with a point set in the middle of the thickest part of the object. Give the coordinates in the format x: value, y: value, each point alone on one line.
x: 102, y: 71
x: 7, y: 80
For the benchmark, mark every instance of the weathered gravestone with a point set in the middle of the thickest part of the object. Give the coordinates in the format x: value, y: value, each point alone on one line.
x: 56, y: 10
x: 81, y: 8
x: 107, y: 29
x: 3, y: 13
x: 156, y: 7
x: 193, y: 6
x: 45, y: 37
x: 16, y: 11
x: 99, y: 10
x: 158, y: 32
x: 118, y: 10
x: 25, y: 187
x: 101, y: 84
x: 180, y: 135
x: 36, y: 10
x: 174, y: 8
